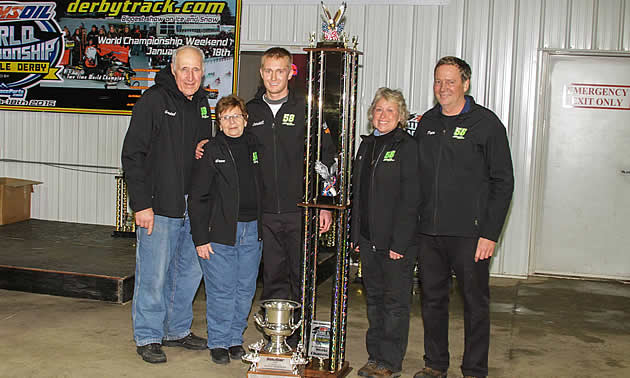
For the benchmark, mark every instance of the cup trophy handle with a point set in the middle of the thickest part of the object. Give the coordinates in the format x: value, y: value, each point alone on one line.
x: 260, y: 321
x: 296, y: 325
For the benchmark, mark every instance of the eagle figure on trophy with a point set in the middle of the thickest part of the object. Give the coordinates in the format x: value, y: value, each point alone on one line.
x: 332, y: 27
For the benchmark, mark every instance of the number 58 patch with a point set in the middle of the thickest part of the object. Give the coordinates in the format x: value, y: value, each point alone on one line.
x: 288, y: 119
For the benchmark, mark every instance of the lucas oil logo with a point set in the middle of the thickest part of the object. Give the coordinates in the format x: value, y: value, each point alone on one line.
x: 31, y: 48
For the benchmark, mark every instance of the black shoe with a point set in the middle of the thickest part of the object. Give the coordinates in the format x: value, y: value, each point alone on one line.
x: 189, y: 342
x: 236, y: 352
x: 220, y: 356
x: 152, y: 353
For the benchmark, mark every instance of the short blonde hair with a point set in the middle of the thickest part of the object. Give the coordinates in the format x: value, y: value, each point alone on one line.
x: 391, y: 95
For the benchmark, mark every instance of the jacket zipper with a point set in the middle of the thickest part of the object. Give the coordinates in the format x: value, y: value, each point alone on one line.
x: 238, y: 189
x: 372, y: 201
x: 182, y: 162
x: 275, y: 160
x: 437, y: 174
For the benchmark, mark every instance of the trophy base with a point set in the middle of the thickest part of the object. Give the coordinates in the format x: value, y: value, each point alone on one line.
x: 123, y: 234
x: 274, y: 374
x: 274, y: 365
x: 315, y: 370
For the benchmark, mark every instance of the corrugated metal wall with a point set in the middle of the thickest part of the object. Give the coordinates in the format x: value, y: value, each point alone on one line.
x: 499, y: 38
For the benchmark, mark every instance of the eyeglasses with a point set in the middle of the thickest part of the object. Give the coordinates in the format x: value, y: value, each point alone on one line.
x: 230, y: 117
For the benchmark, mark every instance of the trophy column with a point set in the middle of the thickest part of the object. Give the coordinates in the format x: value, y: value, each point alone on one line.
x: 125, y: 221
x: 331, y: 113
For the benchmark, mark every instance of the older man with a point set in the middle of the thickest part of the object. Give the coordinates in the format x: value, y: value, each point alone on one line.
x: 157, y: 158
x: 466, y: 189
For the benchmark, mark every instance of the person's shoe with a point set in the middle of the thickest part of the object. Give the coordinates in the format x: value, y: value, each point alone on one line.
x: 189, y: 342
x: 383, y: 371
x: 220, y: 356
x: 236, y: 352
x: 152, y: 353
x: 428, y: 372
x: 367, y: 369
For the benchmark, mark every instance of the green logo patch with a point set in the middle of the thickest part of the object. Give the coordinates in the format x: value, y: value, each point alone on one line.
x: 204, y: 112
x: 255, y: 157
x: 389, y: 155
x: 459, y: 132
x: 288, y: 119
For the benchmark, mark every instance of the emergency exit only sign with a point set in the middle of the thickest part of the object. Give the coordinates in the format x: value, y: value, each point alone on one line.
x: 597, y: 96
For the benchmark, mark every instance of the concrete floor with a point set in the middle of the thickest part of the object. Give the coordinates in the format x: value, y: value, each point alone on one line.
x: 541, y: 327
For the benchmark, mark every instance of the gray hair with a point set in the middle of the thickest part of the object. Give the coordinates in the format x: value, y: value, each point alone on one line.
x: 187, y: 47
x: 391, y: 95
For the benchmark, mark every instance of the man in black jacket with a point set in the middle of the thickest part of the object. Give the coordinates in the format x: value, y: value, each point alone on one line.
x: 276, y: 117
x: 466, y: 188
x: 157, y: 158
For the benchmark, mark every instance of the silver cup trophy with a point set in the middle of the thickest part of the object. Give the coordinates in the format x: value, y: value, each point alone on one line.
x: 276, y: 355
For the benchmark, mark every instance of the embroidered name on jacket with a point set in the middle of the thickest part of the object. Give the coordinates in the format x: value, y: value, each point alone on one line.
x: 459, y: 132
x: 389, y: 155
x: 172, y: 114
x: 219, y: 160
x: 259, y: 123
x: 288, y: 119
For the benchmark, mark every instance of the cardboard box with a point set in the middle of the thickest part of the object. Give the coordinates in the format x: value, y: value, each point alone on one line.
x: 15, y: 199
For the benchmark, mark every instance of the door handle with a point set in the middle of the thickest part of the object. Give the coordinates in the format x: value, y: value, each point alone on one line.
x: 625, y: 171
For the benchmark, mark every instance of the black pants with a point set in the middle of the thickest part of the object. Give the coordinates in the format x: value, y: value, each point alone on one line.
x: 282, y: 256
x: 388, y: 286
x: 439, y: 255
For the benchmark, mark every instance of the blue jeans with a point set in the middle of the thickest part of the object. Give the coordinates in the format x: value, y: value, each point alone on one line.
x: 167, y: 278
x: 230, y: 279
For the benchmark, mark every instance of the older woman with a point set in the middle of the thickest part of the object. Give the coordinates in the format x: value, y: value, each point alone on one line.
x: 384, y: 216
x: 225, y: 215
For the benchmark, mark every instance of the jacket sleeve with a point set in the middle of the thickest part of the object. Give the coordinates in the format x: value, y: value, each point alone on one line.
x: 136, y: 152
x: 200, y: 201
x: 406, y: 213
x: 356, y: 211
x: 500, y: 182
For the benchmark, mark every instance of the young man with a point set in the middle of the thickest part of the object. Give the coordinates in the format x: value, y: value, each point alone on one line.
x: 466, y: 183
x: 276, y: 117
x: 157, y: 158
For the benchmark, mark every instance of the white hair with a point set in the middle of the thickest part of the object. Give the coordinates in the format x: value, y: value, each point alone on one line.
x: 187, y: 47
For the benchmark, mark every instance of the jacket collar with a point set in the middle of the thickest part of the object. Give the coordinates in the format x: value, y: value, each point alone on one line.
x: 470, y: 106
x: 398, y: 135
x: 251, y: 139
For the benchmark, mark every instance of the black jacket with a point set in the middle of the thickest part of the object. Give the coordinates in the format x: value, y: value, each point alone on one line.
x: 282, y: 154
x: 394, y: 193
x: 467, y: 170
x: 213, y: 203
x: 159, y: 147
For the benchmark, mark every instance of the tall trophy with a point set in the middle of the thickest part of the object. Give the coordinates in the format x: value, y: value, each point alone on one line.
x: 331, y: 117
x: 331, y: 109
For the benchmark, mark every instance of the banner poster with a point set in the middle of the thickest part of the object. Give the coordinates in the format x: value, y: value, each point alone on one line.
x: 98, y: 56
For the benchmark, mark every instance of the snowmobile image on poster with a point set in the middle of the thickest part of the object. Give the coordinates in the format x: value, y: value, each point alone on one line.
x: 99, y: 56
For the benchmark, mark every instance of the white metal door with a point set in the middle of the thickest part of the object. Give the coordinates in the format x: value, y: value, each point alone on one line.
x: 583, y: 224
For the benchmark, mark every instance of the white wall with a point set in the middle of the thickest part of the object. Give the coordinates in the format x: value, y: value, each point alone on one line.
x: 499, y: 38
